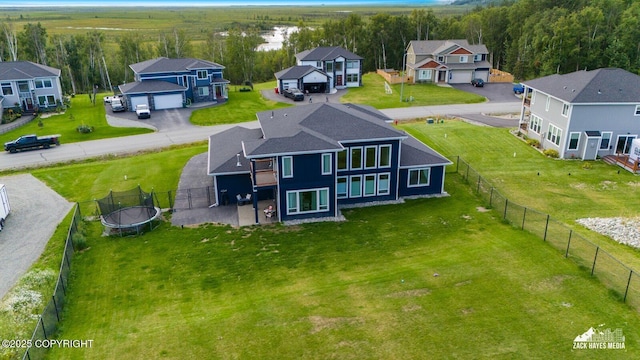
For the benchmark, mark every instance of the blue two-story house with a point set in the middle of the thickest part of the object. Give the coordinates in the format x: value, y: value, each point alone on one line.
x: 164, y: 83
x: 314, y: 159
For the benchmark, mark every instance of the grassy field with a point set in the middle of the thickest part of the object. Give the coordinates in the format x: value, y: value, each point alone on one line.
x: 373, y: 93
x: 324, y: 290
x: 81, y: 112
x: 241, y: 107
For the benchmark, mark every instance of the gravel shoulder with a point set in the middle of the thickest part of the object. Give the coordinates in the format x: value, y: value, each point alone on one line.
x: 36, y: 211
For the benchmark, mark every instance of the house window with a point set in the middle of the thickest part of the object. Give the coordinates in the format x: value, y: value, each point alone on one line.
x: 440, y: 58
x: 355, y: 186
x: 370, y: 185
x: 203, y: 91
x: 477, y: 57
x: 339, y: 66
x: 418, y: 177
x: 383, y: 184
x: 319, y: 64
x: 533, y: 97
x: 23, y: 87
x: 6, y: 89
x: 326, y: 164
x: 343, y: 161
x: 370, y: 157
x: 574, y: 140
x: 356, y: 158
x: 637, y: 112
x: 352, y: 78
x: 565, y: 109
x: 43, y: 83
x: 287, y: 167
x: 351, y: 64
x: 341, y: 187
x: 307, y: 201
x: 535, y: 124
x: 202, y: 74
x: 554, y: 134
x: 384, y: 158
x: 605, y: 141
x: 329, y: 66
x: 464, y: 58
x: 46, y: 100
x: 546, y: 107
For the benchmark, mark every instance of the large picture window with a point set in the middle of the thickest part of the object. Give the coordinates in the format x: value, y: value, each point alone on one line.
x: 356, y: 158
x: 535, y: 124
x: 287, y: 167
x: 307, y: 201
x: 419, y: 177
x: 384, y: 156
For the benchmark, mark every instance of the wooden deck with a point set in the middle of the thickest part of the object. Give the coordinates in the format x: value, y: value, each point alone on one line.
x: 623, y: 161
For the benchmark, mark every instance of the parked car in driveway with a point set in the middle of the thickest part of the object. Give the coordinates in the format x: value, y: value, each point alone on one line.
x: 117, y: 105
x: 518, y: 88
x: 294, y: 94
x: 477, y: 82
x: 143, y: 112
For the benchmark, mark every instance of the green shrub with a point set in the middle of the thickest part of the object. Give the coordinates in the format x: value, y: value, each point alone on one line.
x: 79, y: 241
x: 552, y: 153
x: 84, y: 129
x: 533, y: 142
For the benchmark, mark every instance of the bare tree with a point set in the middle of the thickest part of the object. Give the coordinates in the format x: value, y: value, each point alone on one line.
x: 12, y: 40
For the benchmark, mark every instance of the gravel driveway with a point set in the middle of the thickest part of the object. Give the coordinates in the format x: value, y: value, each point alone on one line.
x: 36, y: 211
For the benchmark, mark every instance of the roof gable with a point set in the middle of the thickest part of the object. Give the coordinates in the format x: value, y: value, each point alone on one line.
x: 434, y: 47
x: 297, y: 72
x: 606, y: 85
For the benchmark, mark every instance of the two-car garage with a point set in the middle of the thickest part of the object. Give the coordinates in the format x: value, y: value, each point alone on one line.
x: 156, y: 94
x: 170, y: 101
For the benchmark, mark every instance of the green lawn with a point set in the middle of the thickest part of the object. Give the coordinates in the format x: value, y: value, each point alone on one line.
x: 241, y: 107
x: 361, y: 289
x: 81, y: 112
x: 373, y: 93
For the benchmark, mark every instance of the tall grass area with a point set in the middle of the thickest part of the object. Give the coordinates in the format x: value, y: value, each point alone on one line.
x: 373, y: 93
x: 241, y: 106
x: 81, y: 112
x: 432, y: 278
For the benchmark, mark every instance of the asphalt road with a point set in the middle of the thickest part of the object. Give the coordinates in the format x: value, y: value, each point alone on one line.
x: 174, y: 128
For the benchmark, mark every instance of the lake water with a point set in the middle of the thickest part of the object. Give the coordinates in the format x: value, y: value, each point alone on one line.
x: 275, y: 38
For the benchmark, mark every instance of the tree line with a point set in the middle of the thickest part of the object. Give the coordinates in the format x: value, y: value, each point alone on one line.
x: 528, y: 38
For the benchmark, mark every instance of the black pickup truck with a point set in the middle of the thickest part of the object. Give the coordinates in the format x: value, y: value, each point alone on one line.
x: 26, y: 142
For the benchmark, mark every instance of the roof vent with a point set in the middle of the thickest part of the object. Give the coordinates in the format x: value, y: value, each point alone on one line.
x: 599, y: 92
x: 285, y: 114
x: 573, y: 90
x: 238, y: 160
x: 565, y: 87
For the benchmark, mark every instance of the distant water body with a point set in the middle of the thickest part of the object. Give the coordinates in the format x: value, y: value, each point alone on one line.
x: 173, y: 3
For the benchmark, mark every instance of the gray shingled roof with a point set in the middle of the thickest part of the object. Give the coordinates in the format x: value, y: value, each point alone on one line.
x: 297, y: 72
x: 163, y: 64
x: 608, y: 85
x: 301, y: 142
x: 224, y: 146
x: 432, y: 47
x: 414, y: 153
x: 323, y: 53
x: 23, y: 70
x: 150, y: 86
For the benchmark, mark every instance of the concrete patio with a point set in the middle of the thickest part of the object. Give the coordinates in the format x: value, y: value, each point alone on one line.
x: 246, y: 214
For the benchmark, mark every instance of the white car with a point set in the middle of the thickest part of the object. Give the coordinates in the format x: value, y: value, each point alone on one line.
x: 143, y: 112
x: 108, y: 99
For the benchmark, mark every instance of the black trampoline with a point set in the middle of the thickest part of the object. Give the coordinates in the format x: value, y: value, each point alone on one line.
x: 128, y: 212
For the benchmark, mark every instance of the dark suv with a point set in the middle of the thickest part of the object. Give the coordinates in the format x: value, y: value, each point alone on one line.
x: 477, y: 82
x: 294, y: 94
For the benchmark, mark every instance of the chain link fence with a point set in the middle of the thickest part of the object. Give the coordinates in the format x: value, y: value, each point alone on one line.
x: 615, y: 275
x: 48, y: 321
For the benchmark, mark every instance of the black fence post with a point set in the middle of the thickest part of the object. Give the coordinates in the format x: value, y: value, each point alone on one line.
x: 466, y: 177
x: 170, y: 203
x: 566, y: 254
x: 524, y: 216
x: 43, y: 329
x: 479, y: 178
x: 628, y: 283
x: 546, y: 227
x: 595, y: 257
x: 55, y: 306
x: 491, y: 198
x: 506, y: 204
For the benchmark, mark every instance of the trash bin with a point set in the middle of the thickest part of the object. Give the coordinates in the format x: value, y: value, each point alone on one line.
x: 224, y: 197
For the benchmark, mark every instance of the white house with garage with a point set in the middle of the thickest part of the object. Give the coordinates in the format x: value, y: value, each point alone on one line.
x: 343, y: 68
x: 164, y: 83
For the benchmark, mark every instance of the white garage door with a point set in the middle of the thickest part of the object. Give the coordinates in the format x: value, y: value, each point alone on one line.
x: 172, y: 101
x: 484, y: 75
x: 137, y: 100
x: 460, y: 77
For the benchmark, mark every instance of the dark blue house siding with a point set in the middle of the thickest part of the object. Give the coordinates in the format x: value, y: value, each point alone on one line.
x: 392, y: 171
x: 435, y: 183
x: 307, y: 174
x: 233, y: 184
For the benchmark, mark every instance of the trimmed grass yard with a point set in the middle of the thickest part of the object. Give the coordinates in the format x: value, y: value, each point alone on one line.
x: 362, y: 289
x: 81, y: 112
x: 373, y: 93
x: 241, y: 107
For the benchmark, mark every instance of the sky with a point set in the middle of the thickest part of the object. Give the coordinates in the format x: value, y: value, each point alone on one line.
x: 173, y: 3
